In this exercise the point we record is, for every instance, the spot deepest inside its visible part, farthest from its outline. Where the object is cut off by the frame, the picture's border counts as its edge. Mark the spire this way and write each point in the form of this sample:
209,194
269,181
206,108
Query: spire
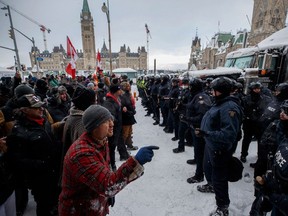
104,48
85,7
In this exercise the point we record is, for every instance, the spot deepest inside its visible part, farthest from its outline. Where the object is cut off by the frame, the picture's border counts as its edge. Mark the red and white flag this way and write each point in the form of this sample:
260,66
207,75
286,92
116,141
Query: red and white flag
98,66
71,52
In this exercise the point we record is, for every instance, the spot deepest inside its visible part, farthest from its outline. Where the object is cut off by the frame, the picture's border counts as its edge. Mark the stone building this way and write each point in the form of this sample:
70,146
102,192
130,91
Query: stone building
215,52
57,60
124,58
268,17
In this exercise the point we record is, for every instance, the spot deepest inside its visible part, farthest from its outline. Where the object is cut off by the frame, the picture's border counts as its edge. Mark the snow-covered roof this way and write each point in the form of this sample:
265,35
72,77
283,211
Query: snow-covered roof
242,52
277,40
124,70
219,71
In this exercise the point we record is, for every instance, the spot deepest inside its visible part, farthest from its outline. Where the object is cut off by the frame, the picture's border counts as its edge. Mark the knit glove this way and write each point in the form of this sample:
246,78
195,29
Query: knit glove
145,154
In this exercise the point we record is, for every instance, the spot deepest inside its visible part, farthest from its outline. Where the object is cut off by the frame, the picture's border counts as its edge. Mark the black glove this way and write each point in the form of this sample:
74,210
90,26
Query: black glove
199,133
268,185
111,201
145,154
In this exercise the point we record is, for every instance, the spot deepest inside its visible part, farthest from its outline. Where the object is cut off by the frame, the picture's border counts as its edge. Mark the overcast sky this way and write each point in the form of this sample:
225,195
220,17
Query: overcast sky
172,26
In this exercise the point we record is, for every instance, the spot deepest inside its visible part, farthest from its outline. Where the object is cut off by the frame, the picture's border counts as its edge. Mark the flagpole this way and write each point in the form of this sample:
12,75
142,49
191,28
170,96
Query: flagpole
106,10
147,34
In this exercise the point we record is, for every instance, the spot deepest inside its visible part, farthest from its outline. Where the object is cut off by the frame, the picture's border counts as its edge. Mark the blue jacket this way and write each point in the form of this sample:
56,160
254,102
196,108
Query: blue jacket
221,124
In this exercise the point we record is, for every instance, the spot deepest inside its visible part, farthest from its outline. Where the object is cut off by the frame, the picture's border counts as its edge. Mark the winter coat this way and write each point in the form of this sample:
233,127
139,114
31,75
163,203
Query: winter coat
128,116
114,106
7,183
58,109
197,108
101,93
88,182
254,106
270,114
221,124
173,96
33,153
183,100
73,128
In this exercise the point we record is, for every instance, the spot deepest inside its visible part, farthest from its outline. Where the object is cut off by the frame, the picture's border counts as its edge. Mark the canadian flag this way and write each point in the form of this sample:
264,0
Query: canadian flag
71,52
98,62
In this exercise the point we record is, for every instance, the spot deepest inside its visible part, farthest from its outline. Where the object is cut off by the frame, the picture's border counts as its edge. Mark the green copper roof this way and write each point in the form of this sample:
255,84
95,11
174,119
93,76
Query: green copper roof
224,37
85,7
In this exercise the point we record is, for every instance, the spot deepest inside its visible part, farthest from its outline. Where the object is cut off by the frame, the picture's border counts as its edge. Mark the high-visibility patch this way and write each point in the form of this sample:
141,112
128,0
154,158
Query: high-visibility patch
232,113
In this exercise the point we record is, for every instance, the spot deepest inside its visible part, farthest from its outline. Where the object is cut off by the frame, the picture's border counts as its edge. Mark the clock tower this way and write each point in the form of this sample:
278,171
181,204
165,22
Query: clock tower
88,38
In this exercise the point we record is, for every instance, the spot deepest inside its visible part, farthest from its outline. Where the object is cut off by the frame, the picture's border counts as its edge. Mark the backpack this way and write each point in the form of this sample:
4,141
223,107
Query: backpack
235,169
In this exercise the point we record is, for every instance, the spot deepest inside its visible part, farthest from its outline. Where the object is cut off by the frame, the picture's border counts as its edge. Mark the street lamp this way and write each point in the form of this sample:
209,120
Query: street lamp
105,9
14,38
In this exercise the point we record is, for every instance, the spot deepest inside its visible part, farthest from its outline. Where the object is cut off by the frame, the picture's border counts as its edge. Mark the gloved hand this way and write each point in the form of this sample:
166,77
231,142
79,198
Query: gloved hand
199,133
268,184
111,201
145,154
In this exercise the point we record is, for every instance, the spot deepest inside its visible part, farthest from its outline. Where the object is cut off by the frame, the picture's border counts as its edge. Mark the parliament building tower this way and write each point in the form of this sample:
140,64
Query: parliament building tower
88,38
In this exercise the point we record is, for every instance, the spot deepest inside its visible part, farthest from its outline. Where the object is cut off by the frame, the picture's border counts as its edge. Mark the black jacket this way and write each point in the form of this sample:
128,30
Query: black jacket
33,152
127,117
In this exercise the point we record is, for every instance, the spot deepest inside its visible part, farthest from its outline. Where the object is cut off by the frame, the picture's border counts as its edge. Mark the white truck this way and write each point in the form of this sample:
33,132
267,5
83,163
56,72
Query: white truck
266,62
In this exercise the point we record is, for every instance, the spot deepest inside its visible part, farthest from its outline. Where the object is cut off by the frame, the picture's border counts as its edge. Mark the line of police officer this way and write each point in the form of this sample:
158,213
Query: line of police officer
183,103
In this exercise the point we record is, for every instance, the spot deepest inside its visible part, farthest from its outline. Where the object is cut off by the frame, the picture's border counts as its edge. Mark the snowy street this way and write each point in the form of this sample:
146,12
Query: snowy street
163,189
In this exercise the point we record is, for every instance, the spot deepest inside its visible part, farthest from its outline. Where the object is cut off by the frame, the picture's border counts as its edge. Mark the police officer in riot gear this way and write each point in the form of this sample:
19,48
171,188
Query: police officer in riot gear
254,104
196,108
184,98
220,127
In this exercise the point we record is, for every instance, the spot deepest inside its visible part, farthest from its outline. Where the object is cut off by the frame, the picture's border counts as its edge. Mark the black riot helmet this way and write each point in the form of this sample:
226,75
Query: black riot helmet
255,85
223,85
282,91
195,85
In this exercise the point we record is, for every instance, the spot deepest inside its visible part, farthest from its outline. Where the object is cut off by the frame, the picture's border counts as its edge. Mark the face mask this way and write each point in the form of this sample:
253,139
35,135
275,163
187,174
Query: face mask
184,87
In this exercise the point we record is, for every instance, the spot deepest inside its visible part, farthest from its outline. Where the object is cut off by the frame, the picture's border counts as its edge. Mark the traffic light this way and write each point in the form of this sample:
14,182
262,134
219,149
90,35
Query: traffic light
11,35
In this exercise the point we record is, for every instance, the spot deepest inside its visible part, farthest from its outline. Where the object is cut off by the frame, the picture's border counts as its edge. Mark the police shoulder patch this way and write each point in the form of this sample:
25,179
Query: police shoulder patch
232,113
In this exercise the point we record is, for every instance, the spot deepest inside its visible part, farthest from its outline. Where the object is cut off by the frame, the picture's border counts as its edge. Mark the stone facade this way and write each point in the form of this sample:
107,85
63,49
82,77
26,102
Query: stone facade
88,38
57,60
268,17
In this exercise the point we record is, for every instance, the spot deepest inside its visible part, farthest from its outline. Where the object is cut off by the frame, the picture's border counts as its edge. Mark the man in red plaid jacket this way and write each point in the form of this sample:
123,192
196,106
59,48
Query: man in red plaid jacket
88,184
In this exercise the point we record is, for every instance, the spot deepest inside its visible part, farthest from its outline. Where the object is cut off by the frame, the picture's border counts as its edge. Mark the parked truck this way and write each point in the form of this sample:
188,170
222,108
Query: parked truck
266,62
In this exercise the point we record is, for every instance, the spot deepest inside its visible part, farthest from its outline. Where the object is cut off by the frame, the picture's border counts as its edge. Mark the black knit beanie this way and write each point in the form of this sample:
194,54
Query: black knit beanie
83,98
23,89
94,116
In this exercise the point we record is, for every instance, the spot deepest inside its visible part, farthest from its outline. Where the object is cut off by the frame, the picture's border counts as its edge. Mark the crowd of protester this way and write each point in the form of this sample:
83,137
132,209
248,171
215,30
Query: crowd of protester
41,118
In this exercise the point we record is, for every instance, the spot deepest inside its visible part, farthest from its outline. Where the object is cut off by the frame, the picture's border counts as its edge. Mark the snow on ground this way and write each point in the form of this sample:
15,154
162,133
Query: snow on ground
163,190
